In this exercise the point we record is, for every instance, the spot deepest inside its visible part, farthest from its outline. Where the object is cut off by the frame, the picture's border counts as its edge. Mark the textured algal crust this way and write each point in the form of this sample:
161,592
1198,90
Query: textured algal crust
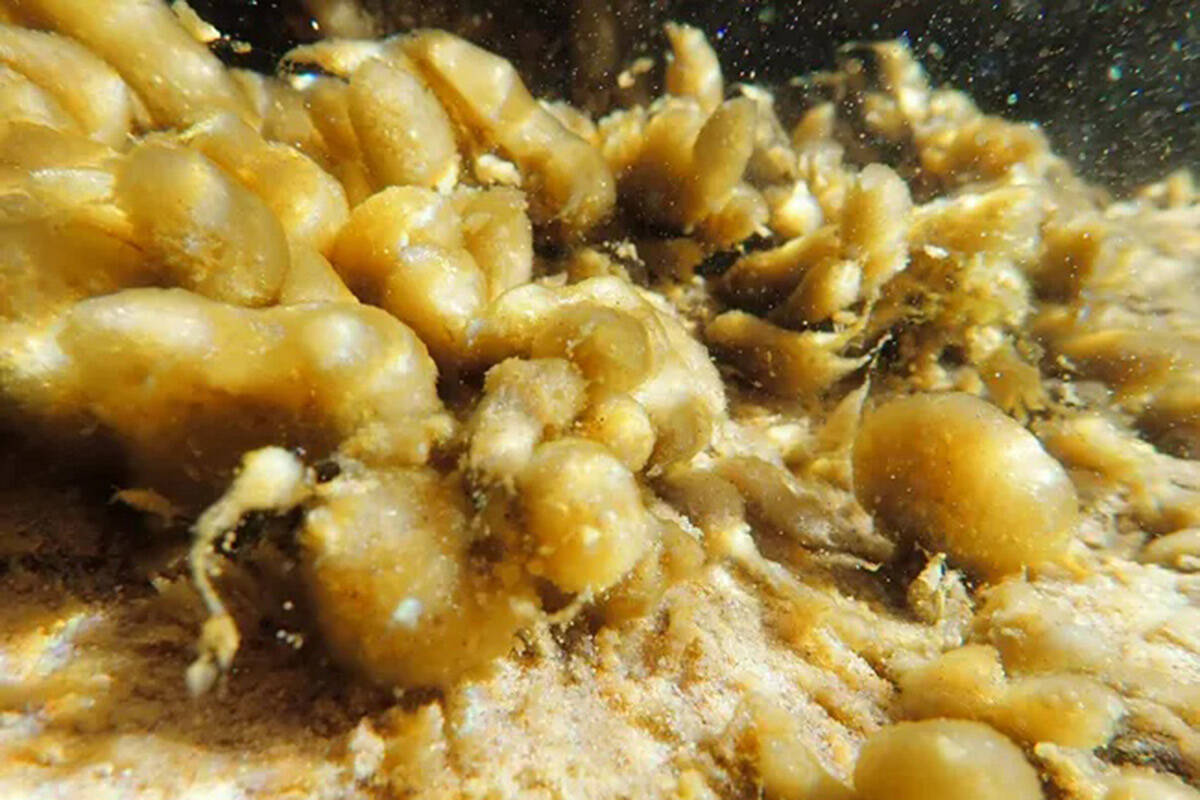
483,448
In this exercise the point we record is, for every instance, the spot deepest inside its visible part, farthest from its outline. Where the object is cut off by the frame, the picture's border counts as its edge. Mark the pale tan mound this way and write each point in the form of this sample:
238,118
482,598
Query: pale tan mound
378,430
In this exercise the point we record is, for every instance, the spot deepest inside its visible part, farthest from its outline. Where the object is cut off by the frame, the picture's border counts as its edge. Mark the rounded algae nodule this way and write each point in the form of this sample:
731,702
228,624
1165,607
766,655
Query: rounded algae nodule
955,474
943,759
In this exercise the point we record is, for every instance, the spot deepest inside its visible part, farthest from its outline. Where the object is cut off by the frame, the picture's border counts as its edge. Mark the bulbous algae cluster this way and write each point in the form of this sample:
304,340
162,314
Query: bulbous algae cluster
708,448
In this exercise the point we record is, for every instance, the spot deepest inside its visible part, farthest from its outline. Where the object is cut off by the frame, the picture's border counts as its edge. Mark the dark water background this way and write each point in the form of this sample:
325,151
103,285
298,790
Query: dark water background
1115,84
